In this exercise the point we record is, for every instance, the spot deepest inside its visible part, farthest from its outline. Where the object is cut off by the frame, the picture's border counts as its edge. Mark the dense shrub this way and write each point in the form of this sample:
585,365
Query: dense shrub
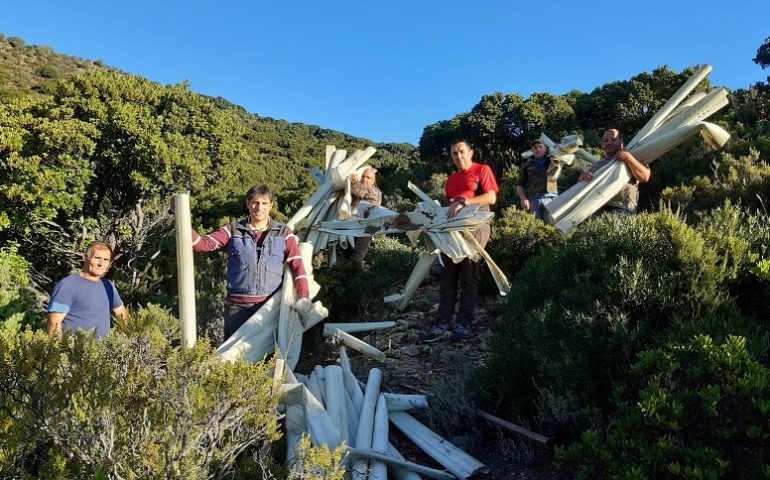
744,180
151,319
452,411
352,291
578,314
741,239
16,42
47,71
317,463
127,407
16,301
703,412
507,196
517,236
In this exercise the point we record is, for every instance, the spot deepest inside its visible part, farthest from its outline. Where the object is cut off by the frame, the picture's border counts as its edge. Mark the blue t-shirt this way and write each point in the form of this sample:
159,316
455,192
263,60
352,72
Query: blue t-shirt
87,304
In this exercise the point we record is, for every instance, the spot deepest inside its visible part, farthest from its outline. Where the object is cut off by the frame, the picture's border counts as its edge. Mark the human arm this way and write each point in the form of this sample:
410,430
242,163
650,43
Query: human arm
120,312
212,241
486,198
522,197
640,171
293,260
55,320
368,194
586,176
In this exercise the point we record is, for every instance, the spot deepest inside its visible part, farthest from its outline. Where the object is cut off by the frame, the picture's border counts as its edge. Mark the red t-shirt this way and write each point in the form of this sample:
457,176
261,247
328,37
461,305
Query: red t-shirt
478,179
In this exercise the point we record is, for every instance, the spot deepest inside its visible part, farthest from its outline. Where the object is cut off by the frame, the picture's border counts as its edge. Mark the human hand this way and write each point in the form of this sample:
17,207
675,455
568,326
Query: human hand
303,306
525,204
623,156
586,177
453,209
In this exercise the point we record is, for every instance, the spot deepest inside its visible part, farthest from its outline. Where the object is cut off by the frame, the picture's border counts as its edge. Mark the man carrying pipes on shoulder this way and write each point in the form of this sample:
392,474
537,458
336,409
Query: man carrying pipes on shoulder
257,249
627,200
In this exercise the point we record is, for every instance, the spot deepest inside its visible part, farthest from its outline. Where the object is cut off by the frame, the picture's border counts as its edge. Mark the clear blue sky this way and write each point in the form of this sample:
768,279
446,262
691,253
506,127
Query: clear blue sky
385,70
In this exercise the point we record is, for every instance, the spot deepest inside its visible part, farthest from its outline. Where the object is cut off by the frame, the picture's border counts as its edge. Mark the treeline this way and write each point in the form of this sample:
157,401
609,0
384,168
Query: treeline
98,155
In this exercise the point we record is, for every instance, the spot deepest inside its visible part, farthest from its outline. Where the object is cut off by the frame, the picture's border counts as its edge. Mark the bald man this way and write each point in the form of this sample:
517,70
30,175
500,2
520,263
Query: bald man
363,190
628,199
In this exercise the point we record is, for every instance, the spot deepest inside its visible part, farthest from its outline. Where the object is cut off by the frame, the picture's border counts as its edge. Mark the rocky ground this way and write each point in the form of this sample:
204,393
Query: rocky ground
439,370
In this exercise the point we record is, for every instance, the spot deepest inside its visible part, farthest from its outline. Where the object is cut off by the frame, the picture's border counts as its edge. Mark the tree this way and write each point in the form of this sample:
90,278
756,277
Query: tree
628,104
763,54
100,159
500,127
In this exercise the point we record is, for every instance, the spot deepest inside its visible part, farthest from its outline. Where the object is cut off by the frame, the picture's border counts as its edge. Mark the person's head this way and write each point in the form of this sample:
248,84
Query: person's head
613,142
97,259
369,177
539,149
259,202
462,154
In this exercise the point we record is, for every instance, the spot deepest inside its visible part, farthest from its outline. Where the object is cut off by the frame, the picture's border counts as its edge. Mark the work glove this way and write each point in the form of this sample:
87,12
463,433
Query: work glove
303,306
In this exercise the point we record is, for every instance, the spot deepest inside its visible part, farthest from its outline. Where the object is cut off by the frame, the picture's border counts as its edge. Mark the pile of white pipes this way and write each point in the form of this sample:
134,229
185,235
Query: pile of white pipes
332,200
450,236
329,404
331,407
678,120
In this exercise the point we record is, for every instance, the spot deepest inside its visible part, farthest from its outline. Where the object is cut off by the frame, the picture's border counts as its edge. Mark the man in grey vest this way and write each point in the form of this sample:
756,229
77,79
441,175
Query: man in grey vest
257,249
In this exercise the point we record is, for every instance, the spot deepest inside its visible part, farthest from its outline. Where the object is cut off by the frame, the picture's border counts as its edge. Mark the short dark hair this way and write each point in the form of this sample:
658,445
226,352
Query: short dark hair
98,245
261,190
535,142
460,140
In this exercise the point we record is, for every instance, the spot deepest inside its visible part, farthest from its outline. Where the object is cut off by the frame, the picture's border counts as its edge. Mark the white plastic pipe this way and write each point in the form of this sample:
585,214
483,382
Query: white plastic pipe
185,268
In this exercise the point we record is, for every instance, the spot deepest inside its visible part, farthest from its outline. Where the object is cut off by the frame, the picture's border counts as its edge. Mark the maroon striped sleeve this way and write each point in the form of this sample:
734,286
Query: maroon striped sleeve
213,241
294,260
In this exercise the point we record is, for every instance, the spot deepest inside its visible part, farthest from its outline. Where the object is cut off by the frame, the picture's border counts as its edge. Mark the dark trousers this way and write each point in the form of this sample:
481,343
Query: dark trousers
466,274
236,315
359,251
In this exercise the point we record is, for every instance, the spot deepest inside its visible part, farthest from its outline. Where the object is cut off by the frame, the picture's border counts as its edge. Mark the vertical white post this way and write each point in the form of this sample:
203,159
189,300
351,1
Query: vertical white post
184,262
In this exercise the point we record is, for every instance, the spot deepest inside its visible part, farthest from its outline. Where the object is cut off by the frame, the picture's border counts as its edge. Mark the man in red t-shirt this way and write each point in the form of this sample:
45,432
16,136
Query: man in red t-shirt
472,184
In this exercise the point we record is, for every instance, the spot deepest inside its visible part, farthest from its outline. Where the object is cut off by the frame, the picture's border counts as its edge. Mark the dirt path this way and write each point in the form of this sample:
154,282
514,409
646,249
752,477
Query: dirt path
439,370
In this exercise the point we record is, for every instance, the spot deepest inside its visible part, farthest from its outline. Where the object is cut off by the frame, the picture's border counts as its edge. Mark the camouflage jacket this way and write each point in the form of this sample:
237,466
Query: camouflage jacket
538,179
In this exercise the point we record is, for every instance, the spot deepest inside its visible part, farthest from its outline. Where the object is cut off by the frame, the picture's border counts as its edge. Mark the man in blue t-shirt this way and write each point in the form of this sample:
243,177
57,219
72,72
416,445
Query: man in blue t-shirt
84,300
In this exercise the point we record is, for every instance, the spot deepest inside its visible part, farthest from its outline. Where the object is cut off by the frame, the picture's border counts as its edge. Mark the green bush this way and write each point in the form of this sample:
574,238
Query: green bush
741,239
507,196
152,319
744,180
703,413
16,42
577,314
352,291
517,236
127,406
452,411
16,301
317,463
47,71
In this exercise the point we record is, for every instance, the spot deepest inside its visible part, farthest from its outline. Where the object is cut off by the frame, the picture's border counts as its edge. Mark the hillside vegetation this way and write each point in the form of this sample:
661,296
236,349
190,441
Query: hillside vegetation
639,344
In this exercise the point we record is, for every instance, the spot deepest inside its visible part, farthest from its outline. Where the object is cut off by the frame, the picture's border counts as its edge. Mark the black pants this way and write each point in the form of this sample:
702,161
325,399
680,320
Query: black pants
359,251
466,274
236,315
